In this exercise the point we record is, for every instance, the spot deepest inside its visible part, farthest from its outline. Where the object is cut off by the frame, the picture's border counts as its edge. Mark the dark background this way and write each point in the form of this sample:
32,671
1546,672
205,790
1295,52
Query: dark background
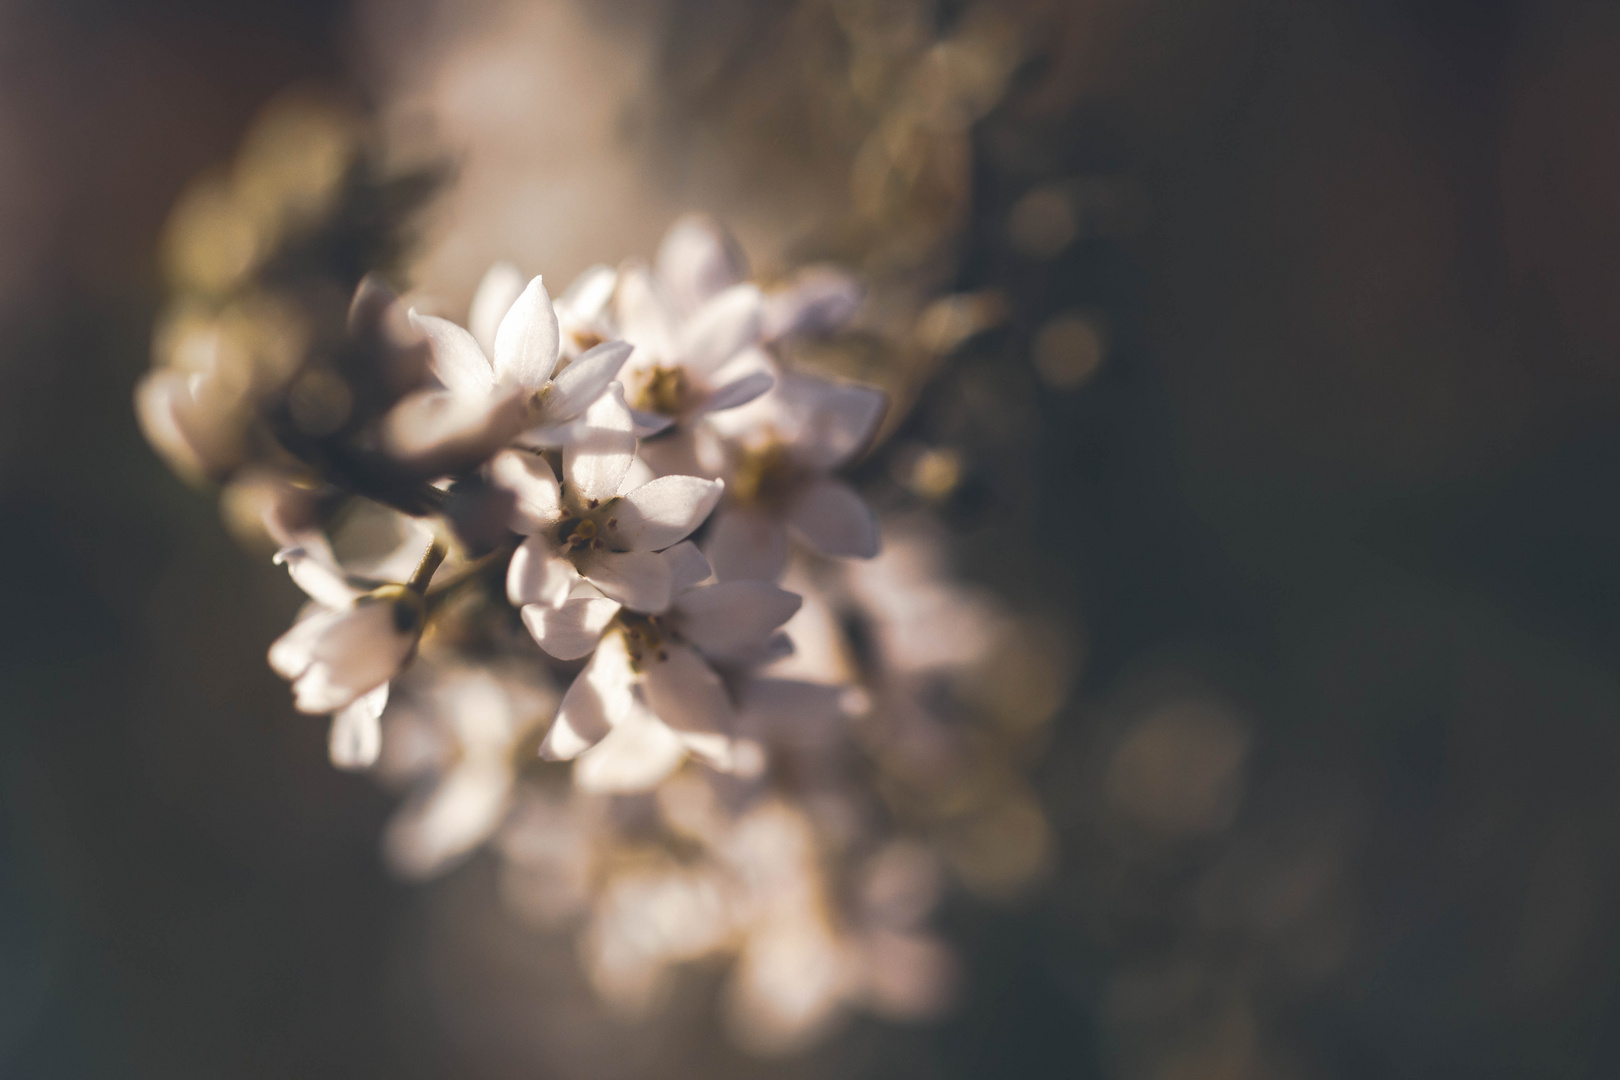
1349,466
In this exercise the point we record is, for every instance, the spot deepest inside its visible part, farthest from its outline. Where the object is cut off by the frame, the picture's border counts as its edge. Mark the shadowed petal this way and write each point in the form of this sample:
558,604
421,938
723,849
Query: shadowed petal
530,479
687,566
599,454
599,698
526,342
640,580
319,578
820,300
457,360
686,693
746,544
430,833
732,618
840,420
436,432
637,755
738,392
538,575
835,520
582,382
572,630
645,317
663,512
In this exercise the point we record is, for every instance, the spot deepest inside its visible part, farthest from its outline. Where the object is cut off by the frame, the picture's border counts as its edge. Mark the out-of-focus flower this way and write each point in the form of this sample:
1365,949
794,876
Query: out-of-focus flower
343,651
782,450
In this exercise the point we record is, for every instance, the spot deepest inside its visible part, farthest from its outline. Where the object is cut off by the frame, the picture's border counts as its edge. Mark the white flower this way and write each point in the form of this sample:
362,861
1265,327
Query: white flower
783,449
693,321
341,654
476,718
650,693
515,390
583,320
583,527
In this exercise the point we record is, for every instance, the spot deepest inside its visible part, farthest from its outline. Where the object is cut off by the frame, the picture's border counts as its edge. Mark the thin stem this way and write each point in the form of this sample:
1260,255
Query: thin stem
469,571
424,570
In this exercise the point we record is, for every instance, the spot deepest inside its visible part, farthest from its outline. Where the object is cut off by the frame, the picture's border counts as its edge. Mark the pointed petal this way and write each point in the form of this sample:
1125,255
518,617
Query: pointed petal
319,578
820,300
502,285
355,738
649,424
436,432
746,544
526,342
840,422
572,630
723,327
663,512
687,566
582,382
686,693
738,392
730,620
538,575
293,652
637,755
530,479
357,651
587,296
645,318
457,360
696,260
599,698
640,580
834,520
599,454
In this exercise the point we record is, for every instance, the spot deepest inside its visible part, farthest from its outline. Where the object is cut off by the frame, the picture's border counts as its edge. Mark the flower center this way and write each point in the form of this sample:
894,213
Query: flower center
646,636
763,474
664,390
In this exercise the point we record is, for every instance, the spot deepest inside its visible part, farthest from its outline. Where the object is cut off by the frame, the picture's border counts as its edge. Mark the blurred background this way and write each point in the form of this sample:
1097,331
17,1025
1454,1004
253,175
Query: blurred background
1285,343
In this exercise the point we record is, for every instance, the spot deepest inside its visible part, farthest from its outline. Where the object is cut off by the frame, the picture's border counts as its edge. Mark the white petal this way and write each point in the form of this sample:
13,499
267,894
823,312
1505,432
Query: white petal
599,698
640,580
357,651
834,520
538,575
598,456
457,360
737,392
746,544
731,619
637,755
319,578
582,382
526,342
586,298
840,421
355,738
686,693
820,300
502,285
696,260
722,328
572,630
649,424
438,432
663,512
639,473
428,834
645,318
687,566
530,479
293,652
